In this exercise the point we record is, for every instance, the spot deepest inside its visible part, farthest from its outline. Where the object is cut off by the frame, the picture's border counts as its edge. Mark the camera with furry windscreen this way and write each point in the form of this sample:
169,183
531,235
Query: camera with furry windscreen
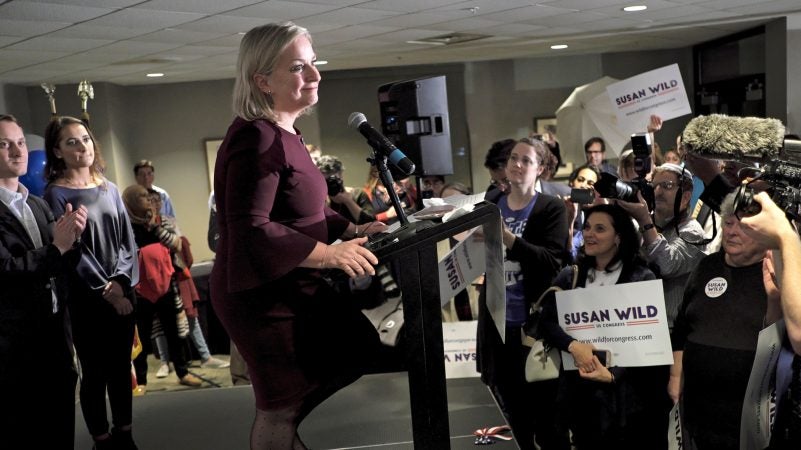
610,186
776,160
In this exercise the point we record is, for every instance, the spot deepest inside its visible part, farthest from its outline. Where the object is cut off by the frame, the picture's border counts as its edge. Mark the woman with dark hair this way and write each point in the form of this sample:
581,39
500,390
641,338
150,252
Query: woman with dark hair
495,161
535,238
583,177
604,407
101,299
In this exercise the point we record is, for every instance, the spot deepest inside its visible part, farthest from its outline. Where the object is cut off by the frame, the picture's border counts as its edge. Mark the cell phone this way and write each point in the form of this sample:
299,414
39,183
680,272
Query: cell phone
605,356
582,196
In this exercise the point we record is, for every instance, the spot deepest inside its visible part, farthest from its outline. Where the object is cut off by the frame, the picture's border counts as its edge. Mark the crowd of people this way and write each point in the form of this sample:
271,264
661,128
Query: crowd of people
88,265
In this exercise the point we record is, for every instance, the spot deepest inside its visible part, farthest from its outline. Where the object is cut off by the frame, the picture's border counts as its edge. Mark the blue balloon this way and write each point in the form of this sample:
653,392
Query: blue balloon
34,180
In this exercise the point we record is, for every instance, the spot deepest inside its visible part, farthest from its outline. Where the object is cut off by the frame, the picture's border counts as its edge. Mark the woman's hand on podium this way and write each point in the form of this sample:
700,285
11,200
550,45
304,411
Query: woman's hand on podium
351,257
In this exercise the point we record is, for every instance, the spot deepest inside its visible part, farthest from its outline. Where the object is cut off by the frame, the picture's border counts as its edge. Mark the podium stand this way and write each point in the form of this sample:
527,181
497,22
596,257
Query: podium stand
416,257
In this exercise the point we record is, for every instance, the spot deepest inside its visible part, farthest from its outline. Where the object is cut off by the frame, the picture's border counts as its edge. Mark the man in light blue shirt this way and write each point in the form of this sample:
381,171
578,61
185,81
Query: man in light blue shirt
36,363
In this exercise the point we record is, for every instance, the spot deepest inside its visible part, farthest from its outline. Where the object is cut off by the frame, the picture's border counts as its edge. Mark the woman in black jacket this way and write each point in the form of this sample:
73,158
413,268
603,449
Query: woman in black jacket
604,407
535,237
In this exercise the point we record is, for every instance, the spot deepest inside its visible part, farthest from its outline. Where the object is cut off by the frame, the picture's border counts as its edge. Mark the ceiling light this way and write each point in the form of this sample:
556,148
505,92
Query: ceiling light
635,8
559,47
155,75
320,62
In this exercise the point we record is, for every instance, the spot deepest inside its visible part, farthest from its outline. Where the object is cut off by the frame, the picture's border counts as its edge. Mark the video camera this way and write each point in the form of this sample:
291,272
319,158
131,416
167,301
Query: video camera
752,140
783,180
609,186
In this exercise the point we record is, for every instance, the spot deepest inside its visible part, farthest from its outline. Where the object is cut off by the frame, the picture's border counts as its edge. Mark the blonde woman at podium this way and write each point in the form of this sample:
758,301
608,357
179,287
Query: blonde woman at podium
535,237
301,341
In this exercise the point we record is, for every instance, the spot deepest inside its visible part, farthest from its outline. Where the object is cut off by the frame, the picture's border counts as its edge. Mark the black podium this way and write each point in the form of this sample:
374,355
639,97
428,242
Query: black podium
415,255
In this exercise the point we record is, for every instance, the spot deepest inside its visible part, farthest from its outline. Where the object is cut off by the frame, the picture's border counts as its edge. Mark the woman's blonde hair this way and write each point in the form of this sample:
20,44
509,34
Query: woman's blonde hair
258,53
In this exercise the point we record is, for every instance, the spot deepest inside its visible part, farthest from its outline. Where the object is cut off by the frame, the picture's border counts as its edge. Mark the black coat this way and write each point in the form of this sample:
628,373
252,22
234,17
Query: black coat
541,250
32,337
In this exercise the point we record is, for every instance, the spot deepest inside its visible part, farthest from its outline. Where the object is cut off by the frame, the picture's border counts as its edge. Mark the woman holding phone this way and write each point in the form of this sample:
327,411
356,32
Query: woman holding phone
606,407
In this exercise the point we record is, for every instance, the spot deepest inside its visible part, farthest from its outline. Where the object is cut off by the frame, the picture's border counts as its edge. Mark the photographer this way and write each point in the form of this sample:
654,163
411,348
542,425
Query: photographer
341,198
671,252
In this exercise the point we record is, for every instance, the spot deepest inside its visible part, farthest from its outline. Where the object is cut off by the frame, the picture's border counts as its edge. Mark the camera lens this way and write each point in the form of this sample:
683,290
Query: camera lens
334,184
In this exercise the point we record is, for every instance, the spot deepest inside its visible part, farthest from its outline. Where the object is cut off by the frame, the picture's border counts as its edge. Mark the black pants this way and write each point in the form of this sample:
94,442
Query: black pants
529,407
103,340
37,406
165,310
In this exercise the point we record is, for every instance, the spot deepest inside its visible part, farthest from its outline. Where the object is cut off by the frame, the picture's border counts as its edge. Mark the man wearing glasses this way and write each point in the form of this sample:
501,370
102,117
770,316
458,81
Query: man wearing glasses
595,151
673,253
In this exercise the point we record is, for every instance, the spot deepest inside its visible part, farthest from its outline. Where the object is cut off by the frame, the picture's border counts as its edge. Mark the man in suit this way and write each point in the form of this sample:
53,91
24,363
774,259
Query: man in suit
37,374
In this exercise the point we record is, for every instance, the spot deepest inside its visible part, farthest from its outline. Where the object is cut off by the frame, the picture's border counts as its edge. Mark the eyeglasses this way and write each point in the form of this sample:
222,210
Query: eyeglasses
666,185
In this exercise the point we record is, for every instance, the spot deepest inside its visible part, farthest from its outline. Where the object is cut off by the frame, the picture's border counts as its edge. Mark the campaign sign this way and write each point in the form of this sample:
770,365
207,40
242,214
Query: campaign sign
627,319
463,264
660,92
459,344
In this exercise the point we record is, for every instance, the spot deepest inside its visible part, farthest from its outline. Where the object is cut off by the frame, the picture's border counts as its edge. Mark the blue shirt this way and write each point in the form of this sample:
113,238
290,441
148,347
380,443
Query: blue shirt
515,220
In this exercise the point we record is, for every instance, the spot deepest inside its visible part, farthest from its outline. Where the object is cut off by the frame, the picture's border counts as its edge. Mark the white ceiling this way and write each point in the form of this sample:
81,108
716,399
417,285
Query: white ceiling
119,41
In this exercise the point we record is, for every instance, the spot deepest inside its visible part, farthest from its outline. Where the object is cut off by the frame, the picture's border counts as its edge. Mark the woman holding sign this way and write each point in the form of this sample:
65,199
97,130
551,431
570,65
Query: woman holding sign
607,407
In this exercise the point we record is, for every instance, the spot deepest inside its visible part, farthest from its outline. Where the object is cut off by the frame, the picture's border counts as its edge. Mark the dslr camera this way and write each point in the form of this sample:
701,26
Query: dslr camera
609,186
335,185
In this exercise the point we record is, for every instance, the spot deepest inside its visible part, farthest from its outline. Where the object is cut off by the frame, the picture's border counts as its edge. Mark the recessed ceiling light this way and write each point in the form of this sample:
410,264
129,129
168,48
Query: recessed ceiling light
635,8
558,46
155,75
320,62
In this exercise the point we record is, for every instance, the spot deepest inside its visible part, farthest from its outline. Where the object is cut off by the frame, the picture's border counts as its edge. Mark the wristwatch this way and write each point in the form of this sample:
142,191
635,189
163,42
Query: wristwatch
646,227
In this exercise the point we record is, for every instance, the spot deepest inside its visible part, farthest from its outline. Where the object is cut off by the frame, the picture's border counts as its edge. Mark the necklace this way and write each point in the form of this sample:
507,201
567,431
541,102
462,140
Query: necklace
81,183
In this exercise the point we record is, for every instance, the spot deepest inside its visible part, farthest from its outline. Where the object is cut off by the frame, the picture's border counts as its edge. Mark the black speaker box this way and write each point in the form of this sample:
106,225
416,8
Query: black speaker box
414,116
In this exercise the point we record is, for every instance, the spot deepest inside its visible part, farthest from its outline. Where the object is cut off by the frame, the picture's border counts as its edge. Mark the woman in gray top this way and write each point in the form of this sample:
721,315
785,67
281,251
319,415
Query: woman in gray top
101,297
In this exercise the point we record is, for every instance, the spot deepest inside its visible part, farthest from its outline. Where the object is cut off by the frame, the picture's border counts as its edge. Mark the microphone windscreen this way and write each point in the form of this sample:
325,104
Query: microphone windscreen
734,138
355,119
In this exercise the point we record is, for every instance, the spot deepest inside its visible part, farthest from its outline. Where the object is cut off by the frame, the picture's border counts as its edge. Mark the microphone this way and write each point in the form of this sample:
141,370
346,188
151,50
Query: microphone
379,142
747,139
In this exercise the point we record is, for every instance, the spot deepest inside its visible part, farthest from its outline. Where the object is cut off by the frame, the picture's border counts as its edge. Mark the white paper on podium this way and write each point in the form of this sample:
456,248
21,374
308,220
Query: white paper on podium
660,92
463,264
627,319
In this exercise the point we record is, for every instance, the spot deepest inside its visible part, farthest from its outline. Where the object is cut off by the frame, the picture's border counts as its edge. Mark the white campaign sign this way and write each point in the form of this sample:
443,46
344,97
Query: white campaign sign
660,92
459,342
463,264
627,319
759,403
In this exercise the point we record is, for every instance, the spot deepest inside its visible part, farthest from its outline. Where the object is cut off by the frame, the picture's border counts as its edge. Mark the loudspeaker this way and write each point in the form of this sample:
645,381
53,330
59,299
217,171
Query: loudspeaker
414,116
